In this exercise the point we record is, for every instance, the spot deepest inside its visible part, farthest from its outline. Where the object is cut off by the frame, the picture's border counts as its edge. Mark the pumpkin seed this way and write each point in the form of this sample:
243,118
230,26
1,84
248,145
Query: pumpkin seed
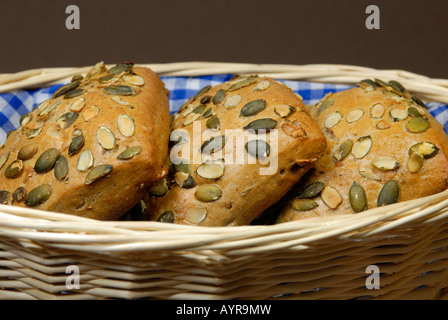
331,197
213,144
208,193
167,217
397,87
191,118
74,93
211,169
199,109
361,147
258,148
76,145
14,169
415,112
42,105
97,173
77,77
205,99
312,190
212,123
415,162
61,168
160,189
303,204
324,105
389,193
293,131
186,109
66,89
121,67
25,119
38,195
416,100
46,160
91,113
5,197
126,125
85,160
105,138
119,101
182,165
78,105
133,79
427,149
202,91
33,133
266,124
195,215
252,108
343,150
262,85
385,163
49,108
332,119
108,78
367,84
27,152
180,178
377,111
129,153
241,83
398,114
96,69
357,198
207,113
382,125
383,84
120,90
67,119
417,125
19,194
284,110
219,96
189,182
355,115
232,101
367,173
4,158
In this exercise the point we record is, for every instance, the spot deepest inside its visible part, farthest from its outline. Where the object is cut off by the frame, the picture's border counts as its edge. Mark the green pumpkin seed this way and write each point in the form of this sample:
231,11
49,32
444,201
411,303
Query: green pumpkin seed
377,111
85,160
74,93
27,152
67,119
416,100
207,113
108,78
427,149
284,110
357,198
415,112
5,197
49,108
33,133
38,195
121,67
195,215
205,99
324,105
415,162
212,123
397,86
332,119
355,115
77,77
417,125
252,108
208,193
383,84
191,118
189,182
182,165
66,89
61,168
14,169
180,178
97,173
389,193
312,190
96,69
19,194
202,91
303,204
4,158
134,79
120,90
385,163
361,147
126,125
367,84
219,96
46,160
76,145
258,148
105,138
213,144
241,83
199,109
343,150
129,153
211,169
161,188
265,124
167,217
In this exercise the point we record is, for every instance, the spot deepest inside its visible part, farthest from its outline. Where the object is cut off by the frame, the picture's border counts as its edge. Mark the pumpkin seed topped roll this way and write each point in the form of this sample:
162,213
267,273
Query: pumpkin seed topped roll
94,149
383,147
237,148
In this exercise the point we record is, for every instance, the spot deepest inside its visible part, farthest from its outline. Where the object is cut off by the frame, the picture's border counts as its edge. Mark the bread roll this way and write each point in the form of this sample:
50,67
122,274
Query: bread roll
383,147
94,149
238,147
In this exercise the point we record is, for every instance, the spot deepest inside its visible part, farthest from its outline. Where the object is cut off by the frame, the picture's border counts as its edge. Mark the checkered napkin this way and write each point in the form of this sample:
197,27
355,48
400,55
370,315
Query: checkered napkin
15,104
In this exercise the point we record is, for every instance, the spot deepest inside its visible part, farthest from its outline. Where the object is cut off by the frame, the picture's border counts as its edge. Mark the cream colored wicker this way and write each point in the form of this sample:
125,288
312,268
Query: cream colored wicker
318,258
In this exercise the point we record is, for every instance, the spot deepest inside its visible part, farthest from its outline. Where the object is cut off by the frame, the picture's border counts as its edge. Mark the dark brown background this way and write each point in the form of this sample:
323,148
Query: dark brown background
413,34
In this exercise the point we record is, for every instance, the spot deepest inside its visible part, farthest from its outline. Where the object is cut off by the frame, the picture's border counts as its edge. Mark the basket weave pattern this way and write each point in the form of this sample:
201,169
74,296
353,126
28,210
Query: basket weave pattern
317,258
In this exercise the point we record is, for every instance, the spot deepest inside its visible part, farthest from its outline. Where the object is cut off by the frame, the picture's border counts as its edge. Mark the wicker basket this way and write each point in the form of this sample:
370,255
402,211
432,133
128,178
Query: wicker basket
317,258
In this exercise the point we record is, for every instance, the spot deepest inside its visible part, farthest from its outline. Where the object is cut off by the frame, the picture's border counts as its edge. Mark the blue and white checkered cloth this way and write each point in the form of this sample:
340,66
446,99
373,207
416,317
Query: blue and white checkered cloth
13,105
